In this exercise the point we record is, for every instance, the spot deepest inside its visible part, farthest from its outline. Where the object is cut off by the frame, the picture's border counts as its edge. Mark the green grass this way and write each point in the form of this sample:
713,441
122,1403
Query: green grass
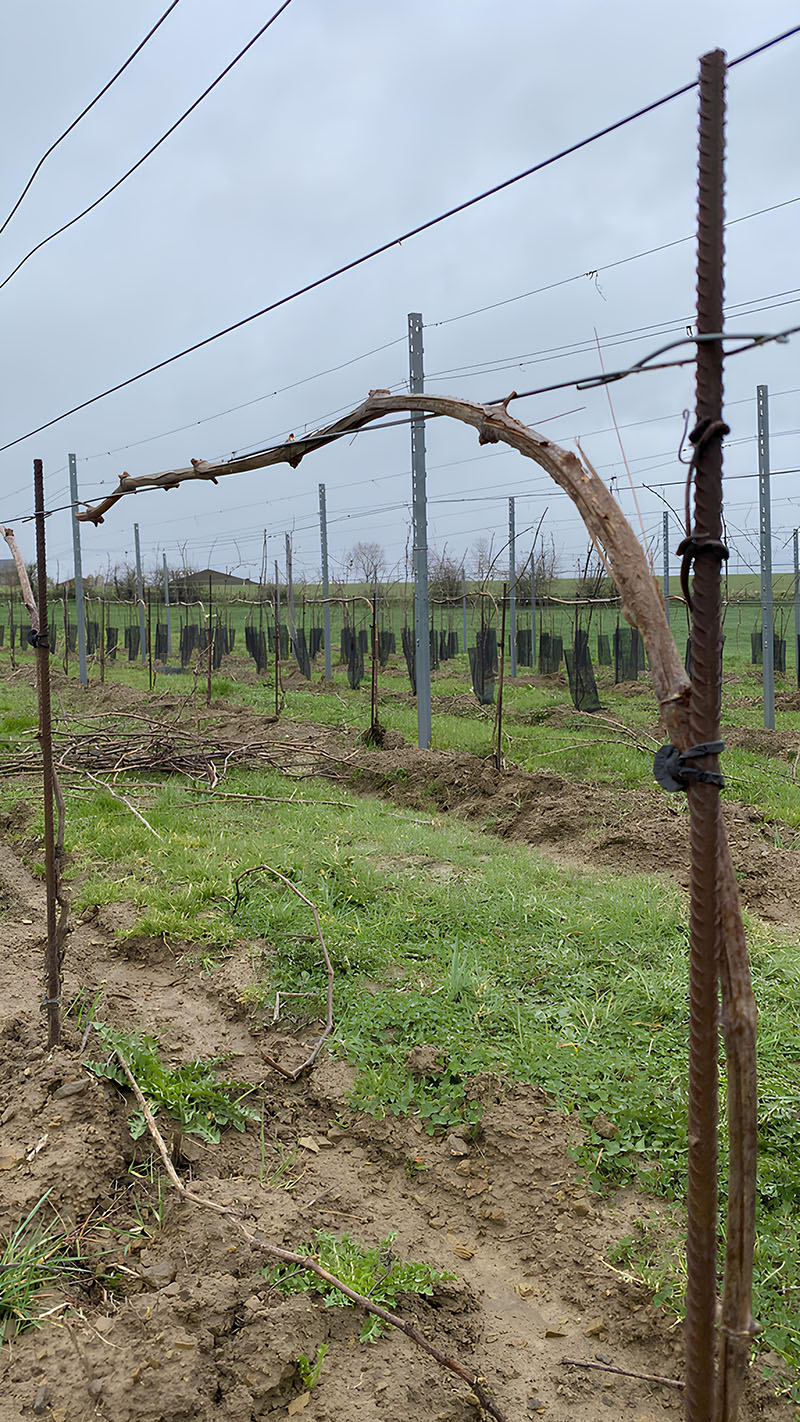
34,1259
375,1273
506,962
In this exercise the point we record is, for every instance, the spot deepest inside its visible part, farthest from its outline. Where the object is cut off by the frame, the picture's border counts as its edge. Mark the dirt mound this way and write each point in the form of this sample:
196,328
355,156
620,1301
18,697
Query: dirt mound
634,831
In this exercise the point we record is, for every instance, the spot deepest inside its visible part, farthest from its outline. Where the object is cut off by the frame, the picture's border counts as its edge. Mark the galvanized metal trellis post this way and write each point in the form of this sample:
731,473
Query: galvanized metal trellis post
796,604
150,681
80,616
52,999
210,643
765,528
166,606
140,596
422,642
326,607
666,561
290,588
498,715
512,584
704,546
277,639
374,731
533,611
464,611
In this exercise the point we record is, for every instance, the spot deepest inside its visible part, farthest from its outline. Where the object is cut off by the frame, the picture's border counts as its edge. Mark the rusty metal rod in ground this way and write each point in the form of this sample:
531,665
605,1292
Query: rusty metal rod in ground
498,723
374,686
705,548
52,963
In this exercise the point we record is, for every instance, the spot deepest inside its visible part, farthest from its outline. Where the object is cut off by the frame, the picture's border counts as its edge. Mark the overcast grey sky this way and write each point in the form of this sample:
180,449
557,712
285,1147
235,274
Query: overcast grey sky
346,124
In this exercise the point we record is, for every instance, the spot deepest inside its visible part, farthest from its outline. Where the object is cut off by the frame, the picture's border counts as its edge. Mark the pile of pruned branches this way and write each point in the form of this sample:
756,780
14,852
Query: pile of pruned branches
171,750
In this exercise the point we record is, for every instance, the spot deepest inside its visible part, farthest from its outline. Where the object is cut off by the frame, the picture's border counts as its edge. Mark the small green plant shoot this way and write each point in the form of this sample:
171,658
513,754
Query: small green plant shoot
190,1094
309,1372
375,1273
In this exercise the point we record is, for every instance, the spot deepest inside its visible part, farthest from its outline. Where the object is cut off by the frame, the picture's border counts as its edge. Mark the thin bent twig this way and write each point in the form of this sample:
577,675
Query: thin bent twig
115,795
301,1261
624,1373
318,1045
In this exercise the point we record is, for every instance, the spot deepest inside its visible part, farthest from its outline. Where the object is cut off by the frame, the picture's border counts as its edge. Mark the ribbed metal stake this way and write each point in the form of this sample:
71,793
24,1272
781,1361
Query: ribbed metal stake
326,589
704,717
765,531
512,583
52,964
422,641
80,615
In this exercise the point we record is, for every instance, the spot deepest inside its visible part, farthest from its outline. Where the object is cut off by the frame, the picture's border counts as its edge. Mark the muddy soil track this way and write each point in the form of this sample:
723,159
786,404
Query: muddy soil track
193,1331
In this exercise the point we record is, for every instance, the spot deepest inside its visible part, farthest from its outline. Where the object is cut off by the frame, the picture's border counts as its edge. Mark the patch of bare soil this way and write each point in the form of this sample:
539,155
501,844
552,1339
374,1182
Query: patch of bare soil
193,1331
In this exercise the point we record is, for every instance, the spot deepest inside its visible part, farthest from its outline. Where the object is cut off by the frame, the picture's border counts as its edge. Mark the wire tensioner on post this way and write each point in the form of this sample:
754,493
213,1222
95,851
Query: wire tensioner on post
674,774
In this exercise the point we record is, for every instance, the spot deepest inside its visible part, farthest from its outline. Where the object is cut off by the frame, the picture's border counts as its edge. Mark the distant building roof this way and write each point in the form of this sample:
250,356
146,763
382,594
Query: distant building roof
211,575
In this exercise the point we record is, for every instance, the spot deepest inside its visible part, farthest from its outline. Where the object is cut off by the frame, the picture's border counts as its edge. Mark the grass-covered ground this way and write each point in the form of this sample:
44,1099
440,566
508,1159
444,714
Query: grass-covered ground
440,935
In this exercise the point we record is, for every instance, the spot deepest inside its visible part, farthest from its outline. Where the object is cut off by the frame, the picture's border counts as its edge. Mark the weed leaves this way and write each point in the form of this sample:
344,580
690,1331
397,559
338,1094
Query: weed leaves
190,1094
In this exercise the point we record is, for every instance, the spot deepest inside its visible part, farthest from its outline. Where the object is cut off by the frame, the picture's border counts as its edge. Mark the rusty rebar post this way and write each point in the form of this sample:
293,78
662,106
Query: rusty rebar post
52,998
498,720
704,546
210,647
373,728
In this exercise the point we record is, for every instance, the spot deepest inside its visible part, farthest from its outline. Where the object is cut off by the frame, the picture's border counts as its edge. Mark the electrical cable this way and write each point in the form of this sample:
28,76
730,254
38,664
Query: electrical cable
614,338
84,112
118,184
606,267
394,241
644,366
232,409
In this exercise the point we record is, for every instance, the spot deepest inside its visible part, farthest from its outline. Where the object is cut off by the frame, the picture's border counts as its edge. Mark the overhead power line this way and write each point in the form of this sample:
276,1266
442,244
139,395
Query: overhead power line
151,150
394,241
84,112
613,338
402,340
606,267
271,394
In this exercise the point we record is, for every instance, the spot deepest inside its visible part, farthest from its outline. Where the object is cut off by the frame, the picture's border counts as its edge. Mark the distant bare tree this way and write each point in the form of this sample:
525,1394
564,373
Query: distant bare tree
480,558
444,576
593,580
369,561
546,570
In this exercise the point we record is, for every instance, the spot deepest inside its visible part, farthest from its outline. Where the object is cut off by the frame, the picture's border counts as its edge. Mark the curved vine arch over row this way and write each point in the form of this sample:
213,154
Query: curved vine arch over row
643,605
